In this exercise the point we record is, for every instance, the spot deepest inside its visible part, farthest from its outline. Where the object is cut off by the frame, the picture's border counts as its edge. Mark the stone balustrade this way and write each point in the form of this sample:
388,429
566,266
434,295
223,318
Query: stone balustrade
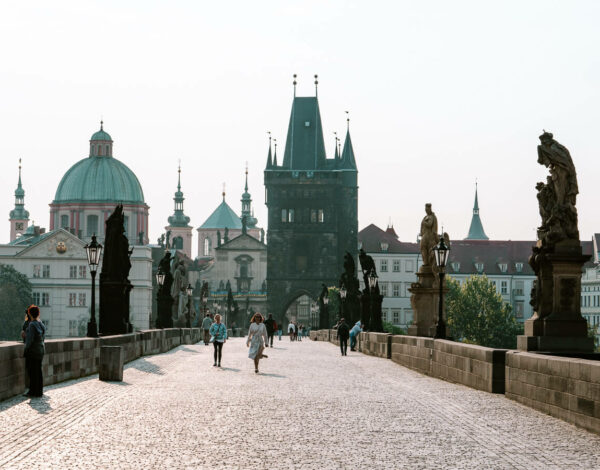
565,387
71,358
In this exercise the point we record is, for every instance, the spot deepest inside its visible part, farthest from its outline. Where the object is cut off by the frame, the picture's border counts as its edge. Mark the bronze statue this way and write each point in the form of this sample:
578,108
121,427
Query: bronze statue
557,197
367,265
116,264
429,236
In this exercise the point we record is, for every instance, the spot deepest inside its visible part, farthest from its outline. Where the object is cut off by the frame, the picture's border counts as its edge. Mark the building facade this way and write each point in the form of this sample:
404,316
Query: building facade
56,265
312,203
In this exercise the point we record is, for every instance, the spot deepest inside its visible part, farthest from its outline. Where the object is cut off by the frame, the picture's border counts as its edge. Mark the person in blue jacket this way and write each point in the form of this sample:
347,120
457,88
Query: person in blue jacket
356,329
218,333
34,352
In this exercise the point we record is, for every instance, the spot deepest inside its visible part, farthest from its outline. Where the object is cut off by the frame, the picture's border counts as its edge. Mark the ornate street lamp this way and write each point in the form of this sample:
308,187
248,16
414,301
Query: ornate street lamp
188,315
343,293
93,251
441,252
372,280
160,278
160,281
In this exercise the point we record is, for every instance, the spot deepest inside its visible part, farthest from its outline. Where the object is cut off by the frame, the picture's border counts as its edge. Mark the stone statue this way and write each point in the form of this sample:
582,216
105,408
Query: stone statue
262,235
218,238
557,197
367,265
226,235
161,241
141,238
429,236
168,240
116,264
178,288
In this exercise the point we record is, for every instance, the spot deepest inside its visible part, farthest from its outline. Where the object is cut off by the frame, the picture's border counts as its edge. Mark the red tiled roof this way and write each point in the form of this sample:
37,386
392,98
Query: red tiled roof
372,237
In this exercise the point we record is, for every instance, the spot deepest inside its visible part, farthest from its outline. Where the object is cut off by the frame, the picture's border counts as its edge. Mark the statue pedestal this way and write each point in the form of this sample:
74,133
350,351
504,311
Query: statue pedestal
114,308
557,324
424,299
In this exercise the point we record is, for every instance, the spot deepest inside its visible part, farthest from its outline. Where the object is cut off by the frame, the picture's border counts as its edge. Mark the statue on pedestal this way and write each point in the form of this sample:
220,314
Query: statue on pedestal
429,236
557,259
178,289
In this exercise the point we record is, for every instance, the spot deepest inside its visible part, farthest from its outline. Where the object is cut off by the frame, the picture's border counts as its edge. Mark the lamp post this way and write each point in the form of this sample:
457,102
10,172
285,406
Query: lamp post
441,256
343,293
188,315
375,323
93,251
160,280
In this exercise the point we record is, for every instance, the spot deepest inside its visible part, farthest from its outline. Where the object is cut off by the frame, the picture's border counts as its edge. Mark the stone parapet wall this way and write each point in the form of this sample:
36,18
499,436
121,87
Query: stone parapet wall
375,344
414,352
564,387
71,358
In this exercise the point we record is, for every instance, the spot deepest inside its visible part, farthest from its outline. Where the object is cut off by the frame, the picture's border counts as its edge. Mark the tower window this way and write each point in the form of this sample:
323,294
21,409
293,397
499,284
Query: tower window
207,246
284,215
92,225
99,150
321,216
64,222
290,215
106,152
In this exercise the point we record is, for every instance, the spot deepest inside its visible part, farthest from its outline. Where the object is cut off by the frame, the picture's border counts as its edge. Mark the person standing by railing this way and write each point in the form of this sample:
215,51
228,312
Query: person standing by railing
34,352
218,333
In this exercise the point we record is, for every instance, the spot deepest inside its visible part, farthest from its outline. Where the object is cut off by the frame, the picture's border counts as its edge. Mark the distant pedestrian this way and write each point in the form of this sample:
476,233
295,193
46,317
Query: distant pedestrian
257,338
295,331
34,352
270,326
206,329
343,332
218,333
300,331
354,332
291,331
279,331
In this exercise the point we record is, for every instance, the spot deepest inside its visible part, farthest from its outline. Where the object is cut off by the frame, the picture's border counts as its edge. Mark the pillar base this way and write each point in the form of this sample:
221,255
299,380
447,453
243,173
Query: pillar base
555,343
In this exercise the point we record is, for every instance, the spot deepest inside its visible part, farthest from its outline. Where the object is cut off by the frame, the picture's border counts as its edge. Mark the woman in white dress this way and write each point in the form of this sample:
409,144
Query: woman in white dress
257,338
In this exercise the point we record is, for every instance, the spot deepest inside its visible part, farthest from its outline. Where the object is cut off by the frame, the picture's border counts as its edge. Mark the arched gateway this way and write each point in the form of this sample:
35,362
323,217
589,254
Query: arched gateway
313,203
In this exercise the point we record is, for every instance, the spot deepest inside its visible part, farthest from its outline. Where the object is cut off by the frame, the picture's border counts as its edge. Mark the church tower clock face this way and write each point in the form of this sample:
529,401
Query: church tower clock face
19,226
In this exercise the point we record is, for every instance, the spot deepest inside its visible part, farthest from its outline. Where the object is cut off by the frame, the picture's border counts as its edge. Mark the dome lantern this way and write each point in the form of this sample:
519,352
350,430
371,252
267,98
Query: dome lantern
101,143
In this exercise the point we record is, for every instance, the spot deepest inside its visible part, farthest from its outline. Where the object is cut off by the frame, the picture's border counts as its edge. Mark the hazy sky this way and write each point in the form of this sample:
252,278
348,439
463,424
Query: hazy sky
440,94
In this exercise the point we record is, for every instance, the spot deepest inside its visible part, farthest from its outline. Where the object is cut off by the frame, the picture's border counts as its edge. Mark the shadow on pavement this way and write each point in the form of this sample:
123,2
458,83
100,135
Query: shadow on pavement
143,365
41,404
231,369
273,375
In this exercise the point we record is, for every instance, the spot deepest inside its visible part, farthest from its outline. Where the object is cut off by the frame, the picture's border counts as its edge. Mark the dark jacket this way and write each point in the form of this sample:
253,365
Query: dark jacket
34,340
269,324
25,325
343,331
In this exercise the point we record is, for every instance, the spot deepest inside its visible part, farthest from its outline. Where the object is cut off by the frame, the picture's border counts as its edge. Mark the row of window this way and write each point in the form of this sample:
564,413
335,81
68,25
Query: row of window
396,266
479,266
75,299
41,298
398,317
43,271
303,216
399,289
91,226
590,300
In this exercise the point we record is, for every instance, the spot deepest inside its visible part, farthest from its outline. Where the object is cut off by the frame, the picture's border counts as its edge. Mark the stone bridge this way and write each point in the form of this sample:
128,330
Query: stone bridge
309,408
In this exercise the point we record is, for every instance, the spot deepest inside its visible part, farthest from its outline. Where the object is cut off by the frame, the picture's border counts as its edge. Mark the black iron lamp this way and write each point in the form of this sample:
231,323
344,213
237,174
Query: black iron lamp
93,251
441,252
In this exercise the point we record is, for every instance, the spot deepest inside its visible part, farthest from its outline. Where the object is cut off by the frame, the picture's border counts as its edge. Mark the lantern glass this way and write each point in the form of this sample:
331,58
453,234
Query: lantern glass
93,251
372,279
343,292
190,290
441,253
326,299
160,278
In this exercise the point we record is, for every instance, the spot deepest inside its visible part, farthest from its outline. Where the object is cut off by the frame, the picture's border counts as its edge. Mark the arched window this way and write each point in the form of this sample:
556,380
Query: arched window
207,244
178,243
92,225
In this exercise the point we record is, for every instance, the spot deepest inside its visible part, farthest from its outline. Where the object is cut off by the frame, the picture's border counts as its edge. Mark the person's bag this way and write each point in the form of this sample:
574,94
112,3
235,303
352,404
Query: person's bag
212,339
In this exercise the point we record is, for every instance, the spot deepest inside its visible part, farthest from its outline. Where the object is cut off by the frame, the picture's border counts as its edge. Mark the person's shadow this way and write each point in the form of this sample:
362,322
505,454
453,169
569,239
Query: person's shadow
230,369
41,404
272,375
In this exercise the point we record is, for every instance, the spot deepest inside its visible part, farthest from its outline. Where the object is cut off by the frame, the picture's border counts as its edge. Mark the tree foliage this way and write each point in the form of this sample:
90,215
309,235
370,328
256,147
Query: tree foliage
15,297
476,314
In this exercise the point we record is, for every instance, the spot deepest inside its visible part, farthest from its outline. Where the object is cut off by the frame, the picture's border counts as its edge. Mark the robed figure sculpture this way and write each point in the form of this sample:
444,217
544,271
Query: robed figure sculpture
114,283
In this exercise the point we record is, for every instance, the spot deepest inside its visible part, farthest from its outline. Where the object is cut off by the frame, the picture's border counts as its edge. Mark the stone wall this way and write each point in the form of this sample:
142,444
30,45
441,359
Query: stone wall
375,344
564,387
71,358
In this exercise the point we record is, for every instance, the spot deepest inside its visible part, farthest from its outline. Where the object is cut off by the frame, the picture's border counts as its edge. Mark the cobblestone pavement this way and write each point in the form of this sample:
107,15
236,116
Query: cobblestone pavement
309,408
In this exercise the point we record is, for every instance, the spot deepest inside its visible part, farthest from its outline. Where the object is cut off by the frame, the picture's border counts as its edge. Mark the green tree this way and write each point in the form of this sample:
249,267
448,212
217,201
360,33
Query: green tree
477,314
391,328
15,297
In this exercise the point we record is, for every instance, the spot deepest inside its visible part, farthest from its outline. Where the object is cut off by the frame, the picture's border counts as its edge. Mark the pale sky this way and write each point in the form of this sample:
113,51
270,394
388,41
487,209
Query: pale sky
440,94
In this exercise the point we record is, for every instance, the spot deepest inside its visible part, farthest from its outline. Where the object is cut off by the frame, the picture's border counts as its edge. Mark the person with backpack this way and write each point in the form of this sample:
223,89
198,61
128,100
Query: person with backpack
206,323
34,352
218,333
343,333
354,332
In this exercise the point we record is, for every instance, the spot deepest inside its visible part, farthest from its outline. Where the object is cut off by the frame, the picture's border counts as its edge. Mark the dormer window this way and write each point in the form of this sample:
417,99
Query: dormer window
519,267
384,246
479,267
455,266
503,267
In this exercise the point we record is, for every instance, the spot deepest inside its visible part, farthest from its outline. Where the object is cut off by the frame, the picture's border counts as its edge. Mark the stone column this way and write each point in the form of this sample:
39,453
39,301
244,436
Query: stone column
424,299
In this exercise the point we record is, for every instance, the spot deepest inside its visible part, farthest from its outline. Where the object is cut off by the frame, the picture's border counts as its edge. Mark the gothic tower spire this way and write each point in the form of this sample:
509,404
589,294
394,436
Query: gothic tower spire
476,231
19,217
247,217
181,232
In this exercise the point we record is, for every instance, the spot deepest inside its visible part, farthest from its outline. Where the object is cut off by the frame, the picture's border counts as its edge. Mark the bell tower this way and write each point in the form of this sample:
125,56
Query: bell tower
19,217
181,232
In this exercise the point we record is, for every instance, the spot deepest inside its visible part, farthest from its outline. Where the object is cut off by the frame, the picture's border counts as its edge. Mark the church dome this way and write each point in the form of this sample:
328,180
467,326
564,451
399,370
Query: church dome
100,177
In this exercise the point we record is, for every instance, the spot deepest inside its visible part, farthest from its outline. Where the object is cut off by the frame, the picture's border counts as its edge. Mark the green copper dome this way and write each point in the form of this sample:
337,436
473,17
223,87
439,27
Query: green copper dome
99,179
101,134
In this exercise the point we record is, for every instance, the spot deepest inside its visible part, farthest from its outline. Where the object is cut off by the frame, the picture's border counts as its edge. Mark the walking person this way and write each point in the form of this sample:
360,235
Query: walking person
218,332
257,338
206,323
34,352
354,332
343,332
270,325
291,331
280,331
300,331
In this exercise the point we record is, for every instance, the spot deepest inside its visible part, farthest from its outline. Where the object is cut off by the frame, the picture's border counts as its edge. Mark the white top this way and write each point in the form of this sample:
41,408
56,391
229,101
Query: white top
291,328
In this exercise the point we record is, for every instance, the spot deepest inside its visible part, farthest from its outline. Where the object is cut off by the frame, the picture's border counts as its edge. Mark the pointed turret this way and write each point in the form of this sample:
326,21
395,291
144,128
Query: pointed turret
247,216
269,157
181,232
348,161
19,217
476,231
275,155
